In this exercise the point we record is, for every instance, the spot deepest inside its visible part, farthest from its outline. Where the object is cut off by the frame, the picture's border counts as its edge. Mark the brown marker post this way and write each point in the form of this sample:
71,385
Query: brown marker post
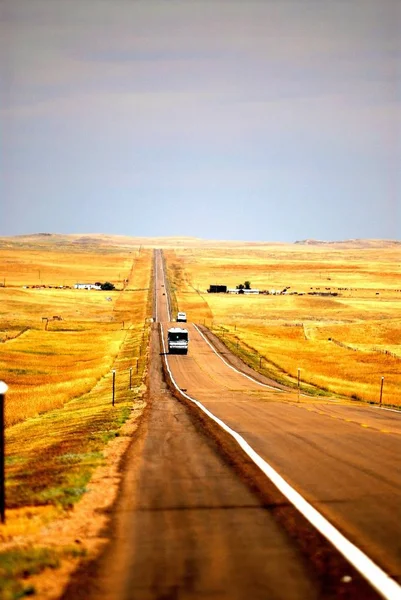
114,385
381,391
299,372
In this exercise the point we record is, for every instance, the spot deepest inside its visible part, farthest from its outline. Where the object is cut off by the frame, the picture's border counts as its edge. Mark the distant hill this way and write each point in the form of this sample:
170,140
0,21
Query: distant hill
353,243
92,240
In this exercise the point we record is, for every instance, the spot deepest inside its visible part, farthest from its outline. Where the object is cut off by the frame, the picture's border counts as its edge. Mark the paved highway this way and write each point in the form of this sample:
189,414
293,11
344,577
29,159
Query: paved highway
196,518
345,460
343,457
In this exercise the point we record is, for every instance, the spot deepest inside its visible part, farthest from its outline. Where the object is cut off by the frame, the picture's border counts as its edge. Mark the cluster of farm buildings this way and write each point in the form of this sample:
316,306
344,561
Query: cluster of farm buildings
77,286
223,289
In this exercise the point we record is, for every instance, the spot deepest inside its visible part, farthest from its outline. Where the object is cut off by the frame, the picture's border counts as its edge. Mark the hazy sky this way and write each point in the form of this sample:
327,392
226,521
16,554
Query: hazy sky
271,120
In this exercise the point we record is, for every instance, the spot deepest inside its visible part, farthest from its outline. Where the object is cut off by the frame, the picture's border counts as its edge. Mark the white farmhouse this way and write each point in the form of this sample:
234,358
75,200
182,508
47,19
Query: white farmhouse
87,286
243,291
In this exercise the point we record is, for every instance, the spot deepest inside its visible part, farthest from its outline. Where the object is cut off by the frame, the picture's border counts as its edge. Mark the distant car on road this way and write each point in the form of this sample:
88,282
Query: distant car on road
181,316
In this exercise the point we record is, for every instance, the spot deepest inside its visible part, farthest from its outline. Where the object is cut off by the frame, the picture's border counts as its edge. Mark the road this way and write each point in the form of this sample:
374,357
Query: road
195,518
345,460
343,457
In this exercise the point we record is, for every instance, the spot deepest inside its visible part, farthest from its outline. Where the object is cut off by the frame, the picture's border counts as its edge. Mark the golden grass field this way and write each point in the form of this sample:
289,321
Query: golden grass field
343,344
59,412
58,408
48,364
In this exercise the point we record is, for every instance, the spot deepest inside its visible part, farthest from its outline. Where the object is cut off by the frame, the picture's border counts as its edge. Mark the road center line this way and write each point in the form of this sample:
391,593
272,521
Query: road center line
379,580
156,286
159,263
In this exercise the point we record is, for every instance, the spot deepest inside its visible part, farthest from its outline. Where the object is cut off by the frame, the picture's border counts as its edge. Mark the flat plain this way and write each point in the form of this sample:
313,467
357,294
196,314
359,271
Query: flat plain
338,321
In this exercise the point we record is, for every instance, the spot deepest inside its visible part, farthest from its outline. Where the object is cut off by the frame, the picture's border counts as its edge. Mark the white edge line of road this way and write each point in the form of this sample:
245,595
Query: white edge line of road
390,409
271,387
379,580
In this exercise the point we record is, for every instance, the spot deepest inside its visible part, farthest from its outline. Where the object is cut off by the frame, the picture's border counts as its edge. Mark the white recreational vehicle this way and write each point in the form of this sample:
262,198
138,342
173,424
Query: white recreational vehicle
177,340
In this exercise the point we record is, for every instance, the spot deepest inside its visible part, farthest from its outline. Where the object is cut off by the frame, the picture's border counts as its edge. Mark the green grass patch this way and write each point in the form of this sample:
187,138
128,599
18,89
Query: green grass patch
58,473
72,487
26,372
18,565
83,457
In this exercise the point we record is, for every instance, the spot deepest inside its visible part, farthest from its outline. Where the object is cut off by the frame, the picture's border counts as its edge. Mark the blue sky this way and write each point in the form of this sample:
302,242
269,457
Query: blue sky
271,120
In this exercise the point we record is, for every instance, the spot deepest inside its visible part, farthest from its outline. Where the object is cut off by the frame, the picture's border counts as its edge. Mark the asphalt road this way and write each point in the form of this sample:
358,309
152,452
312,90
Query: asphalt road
195,519
345,460
343,457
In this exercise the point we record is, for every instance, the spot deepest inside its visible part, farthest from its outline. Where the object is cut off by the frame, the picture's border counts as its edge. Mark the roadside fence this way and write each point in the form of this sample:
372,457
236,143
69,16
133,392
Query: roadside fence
259,362
375,349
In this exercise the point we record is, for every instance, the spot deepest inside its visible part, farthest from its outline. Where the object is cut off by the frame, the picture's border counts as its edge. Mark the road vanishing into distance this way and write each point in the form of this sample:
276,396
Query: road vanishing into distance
206,508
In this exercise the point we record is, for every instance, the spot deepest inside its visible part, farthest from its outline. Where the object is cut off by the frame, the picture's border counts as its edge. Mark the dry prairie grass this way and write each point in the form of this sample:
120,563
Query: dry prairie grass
57,261
269,266
183,292
59,411
323,363
48,364
50,456
46,369
292,331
